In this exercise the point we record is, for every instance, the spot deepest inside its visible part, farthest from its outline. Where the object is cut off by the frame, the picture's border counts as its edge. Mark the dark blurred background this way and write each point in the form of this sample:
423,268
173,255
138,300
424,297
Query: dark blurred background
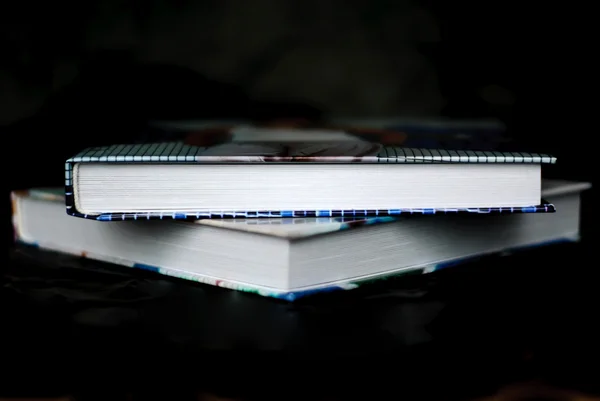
81,73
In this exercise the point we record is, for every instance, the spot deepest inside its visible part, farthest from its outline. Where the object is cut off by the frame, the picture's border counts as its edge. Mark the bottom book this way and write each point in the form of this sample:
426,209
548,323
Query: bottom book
293,258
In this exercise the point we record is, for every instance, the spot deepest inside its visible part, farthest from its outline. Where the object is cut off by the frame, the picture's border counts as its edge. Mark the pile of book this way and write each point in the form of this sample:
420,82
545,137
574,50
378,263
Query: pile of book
286,212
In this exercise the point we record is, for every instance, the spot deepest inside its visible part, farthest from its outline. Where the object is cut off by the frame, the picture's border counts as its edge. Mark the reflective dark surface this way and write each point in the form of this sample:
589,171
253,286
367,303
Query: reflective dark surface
75,322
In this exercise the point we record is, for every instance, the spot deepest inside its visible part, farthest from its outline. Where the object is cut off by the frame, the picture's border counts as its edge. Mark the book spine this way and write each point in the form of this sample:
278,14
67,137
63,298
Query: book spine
71,209
16,213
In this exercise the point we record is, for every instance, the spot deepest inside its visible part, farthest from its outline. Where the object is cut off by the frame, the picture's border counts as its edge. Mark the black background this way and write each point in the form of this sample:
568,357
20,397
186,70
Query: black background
538,52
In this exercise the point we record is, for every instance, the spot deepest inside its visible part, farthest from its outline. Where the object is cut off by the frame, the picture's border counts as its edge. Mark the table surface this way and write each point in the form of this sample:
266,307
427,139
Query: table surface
76,322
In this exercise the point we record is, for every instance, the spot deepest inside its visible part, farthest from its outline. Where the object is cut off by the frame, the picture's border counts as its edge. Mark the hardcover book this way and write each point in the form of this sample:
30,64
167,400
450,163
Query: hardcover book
290,258
282,172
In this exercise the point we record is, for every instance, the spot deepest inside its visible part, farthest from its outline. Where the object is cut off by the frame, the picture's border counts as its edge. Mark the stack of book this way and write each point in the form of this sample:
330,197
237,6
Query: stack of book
286,212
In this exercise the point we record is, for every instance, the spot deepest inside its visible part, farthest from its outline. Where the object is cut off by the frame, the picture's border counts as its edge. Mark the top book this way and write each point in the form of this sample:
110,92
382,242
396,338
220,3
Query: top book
277,171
